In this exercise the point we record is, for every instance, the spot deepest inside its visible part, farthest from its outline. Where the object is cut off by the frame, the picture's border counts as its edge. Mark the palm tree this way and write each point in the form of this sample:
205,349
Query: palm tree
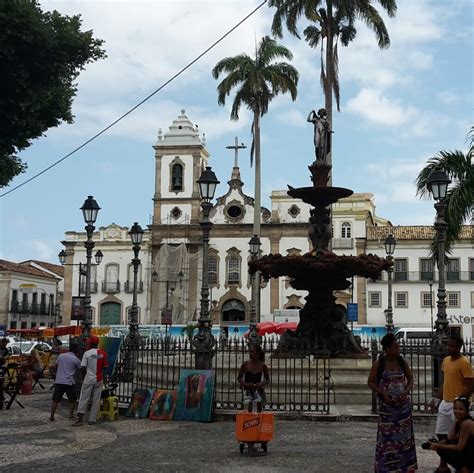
332,22
460,197
257,81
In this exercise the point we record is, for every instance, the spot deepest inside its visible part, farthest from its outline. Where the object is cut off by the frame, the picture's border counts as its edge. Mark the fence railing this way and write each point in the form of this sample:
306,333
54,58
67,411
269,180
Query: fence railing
299,384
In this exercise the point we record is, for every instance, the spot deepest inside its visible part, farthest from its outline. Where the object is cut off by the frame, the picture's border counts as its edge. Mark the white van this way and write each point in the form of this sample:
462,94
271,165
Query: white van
414,333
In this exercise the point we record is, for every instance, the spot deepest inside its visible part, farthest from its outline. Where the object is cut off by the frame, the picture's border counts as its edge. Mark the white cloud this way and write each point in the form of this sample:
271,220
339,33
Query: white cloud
448,97
378,108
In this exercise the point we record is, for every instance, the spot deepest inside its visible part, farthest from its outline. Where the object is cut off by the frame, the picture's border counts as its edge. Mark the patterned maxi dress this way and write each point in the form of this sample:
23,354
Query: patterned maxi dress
395,450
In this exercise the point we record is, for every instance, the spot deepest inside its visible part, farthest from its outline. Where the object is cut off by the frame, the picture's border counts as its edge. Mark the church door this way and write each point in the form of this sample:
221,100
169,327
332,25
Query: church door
110,313
233,311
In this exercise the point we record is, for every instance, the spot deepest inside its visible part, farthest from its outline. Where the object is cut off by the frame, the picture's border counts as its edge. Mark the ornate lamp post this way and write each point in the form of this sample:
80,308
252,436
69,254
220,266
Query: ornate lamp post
430,283
254,337
389,244
438,182
204,341
90,209
82,271
136,235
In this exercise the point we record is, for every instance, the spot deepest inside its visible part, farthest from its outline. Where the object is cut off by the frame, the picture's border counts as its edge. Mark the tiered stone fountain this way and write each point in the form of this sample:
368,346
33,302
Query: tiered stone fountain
320,272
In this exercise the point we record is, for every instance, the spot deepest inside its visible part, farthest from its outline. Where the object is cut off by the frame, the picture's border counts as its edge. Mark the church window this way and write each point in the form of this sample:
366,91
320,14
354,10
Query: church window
176,213
345,230
233,266
294,210
213,270
177,177
234,211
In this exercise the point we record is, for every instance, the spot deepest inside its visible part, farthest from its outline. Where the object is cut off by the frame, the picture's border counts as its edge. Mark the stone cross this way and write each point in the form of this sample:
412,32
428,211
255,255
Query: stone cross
236,147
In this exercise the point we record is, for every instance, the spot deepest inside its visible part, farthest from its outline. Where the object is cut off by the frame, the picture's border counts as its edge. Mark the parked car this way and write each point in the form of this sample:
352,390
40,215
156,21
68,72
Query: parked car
423,334
26,346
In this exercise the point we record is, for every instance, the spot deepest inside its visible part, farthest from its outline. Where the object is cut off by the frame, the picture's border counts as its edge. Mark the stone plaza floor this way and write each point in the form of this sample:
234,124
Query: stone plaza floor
28,442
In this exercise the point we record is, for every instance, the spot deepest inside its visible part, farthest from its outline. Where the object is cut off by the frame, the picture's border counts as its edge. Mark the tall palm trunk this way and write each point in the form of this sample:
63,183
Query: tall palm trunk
329,78
257,210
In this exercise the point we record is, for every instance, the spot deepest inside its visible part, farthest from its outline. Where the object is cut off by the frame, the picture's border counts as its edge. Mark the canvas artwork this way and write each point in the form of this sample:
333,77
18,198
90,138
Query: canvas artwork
195,395
140,403
163,404
111,346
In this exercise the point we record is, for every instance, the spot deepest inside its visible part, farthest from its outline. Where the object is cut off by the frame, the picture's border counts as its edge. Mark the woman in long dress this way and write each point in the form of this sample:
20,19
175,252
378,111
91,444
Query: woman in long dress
391,379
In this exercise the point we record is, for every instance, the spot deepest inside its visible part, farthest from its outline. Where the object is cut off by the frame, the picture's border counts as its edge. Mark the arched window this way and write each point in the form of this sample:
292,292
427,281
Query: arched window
346,230
111,283
233,310
177,177
213,266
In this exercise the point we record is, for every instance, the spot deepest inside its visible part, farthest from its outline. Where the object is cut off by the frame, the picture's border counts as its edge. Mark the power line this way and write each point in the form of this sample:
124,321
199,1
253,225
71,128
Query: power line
138,104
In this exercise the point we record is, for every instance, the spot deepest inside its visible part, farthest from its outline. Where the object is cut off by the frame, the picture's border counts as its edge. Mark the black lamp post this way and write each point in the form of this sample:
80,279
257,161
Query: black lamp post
204,341
90,209
136,235
438,182
389,244
254,337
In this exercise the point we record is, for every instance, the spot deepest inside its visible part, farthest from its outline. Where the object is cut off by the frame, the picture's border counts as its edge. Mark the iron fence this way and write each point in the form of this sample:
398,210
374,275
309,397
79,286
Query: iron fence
298,383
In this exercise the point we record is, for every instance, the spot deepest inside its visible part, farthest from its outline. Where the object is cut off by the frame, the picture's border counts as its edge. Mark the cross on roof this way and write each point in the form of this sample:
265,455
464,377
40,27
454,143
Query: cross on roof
236,147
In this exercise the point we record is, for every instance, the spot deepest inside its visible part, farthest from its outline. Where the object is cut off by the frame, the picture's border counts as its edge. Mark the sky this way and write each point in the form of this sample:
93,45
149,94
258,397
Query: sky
399,107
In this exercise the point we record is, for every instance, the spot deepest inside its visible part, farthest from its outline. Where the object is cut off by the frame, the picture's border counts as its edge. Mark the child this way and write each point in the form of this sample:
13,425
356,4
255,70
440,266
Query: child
253,376
458,450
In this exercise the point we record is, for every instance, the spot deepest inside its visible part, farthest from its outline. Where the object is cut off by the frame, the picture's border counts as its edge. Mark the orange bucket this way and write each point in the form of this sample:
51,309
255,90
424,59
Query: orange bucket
250,427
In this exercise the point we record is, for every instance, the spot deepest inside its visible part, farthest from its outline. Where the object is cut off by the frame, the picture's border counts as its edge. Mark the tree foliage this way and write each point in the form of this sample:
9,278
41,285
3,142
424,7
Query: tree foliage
460,197
331,22
42,54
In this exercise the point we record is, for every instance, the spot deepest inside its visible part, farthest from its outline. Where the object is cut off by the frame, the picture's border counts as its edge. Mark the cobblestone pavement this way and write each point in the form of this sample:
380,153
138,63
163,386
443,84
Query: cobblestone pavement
28,442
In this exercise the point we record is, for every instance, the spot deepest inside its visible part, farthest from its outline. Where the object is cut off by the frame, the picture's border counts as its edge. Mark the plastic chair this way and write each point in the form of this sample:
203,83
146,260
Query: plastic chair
109,408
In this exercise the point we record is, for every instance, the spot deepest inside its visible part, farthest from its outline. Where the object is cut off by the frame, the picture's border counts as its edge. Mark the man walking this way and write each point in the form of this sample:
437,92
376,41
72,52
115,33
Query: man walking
66,367
457,373
93,363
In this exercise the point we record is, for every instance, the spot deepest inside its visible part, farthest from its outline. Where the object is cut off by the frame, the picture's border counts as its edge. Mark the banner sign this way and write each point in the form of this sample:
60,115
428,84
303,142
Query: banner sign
77,308
352,312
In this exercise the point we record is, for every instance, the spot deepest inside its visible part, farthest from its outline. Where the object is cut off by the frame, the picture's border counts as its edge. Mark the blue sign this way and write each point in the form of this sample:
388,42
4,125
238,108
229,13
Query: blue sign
352,312
3,330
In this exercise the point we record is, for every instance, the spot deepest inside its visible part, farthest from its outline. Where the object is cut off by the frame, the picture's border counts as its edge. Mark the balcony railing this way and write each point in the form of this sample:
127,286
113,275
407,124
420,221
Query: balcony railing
425,276
94,287
128,286
342,243
111,287
33,309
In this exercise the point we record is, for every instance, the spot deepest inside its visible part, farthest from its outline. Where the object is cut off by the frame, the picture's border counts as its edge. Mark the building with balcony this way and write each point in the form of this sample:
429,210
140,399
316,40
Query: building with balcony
415,279
29,294
112,280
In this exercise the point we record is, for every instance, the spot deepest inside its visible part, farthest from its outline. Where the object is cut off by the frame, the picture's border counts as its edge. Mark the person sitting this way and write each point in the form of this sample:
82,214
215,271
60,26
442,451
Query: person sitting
458,449
253,376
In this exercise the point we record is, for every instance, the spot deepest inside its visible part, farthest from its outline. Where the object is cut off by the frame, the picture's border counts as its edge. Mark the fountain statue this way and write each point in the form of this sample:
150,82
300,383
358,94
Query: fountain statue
320,272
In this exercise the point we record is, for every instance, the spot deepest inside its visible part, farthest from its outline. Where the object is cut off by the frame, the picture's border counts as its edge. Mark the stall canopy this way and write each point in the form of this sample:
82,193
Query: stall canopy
265,328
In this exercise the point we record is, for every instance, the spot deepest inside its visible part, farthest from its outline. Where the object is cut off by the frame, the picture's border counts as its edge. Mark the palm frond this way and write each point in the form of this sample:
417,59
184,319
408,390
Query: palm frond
312,36
374,21
230,64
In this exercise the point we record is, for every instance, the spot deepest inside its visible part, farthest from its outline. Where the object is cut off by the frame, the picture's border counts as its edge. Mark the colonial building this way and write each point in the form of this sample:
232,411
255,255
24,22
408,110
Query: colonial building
30,294
170,277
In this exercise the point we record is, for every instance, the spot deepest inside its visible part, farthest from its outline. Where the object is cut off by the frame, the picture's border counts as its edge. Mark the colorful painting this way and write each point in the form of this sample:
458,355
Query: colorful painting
195,395
140,403
111,346
163,405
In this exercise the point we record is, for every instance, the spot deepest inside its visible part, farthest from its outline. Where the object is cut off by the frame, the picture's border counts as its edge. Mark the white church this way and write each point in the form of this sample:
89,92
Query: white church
171,255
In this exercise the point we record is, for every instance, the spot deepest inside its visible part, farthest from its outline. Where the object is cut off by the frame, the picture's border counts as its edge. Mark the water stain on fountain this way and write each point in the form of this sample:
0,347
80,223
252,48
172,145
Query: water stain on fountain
320,272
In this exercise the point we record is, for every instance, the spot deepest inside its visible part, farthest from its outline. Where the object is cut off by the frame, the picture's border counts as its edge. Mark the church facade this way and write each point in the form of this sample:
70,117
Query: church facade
171,254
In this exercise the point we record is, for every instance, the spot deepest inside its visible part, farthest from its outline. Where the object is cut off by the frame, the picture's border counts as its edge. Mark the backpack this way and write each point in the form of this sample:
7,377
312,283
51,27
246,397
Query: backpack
381,368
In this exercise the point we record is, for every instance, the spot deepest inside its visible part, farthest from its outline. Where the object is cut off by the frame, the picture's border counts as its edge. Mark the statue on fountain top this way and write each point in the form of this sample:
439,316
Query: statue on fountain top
322,134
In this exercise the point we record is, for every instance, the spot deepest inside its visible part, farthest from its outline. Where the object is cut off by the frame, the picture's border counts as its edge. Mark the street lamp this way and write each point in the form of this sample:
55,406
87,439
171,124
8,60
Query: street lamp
136,235
82,271
254,337
389,244
437,183
90,209
204,341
